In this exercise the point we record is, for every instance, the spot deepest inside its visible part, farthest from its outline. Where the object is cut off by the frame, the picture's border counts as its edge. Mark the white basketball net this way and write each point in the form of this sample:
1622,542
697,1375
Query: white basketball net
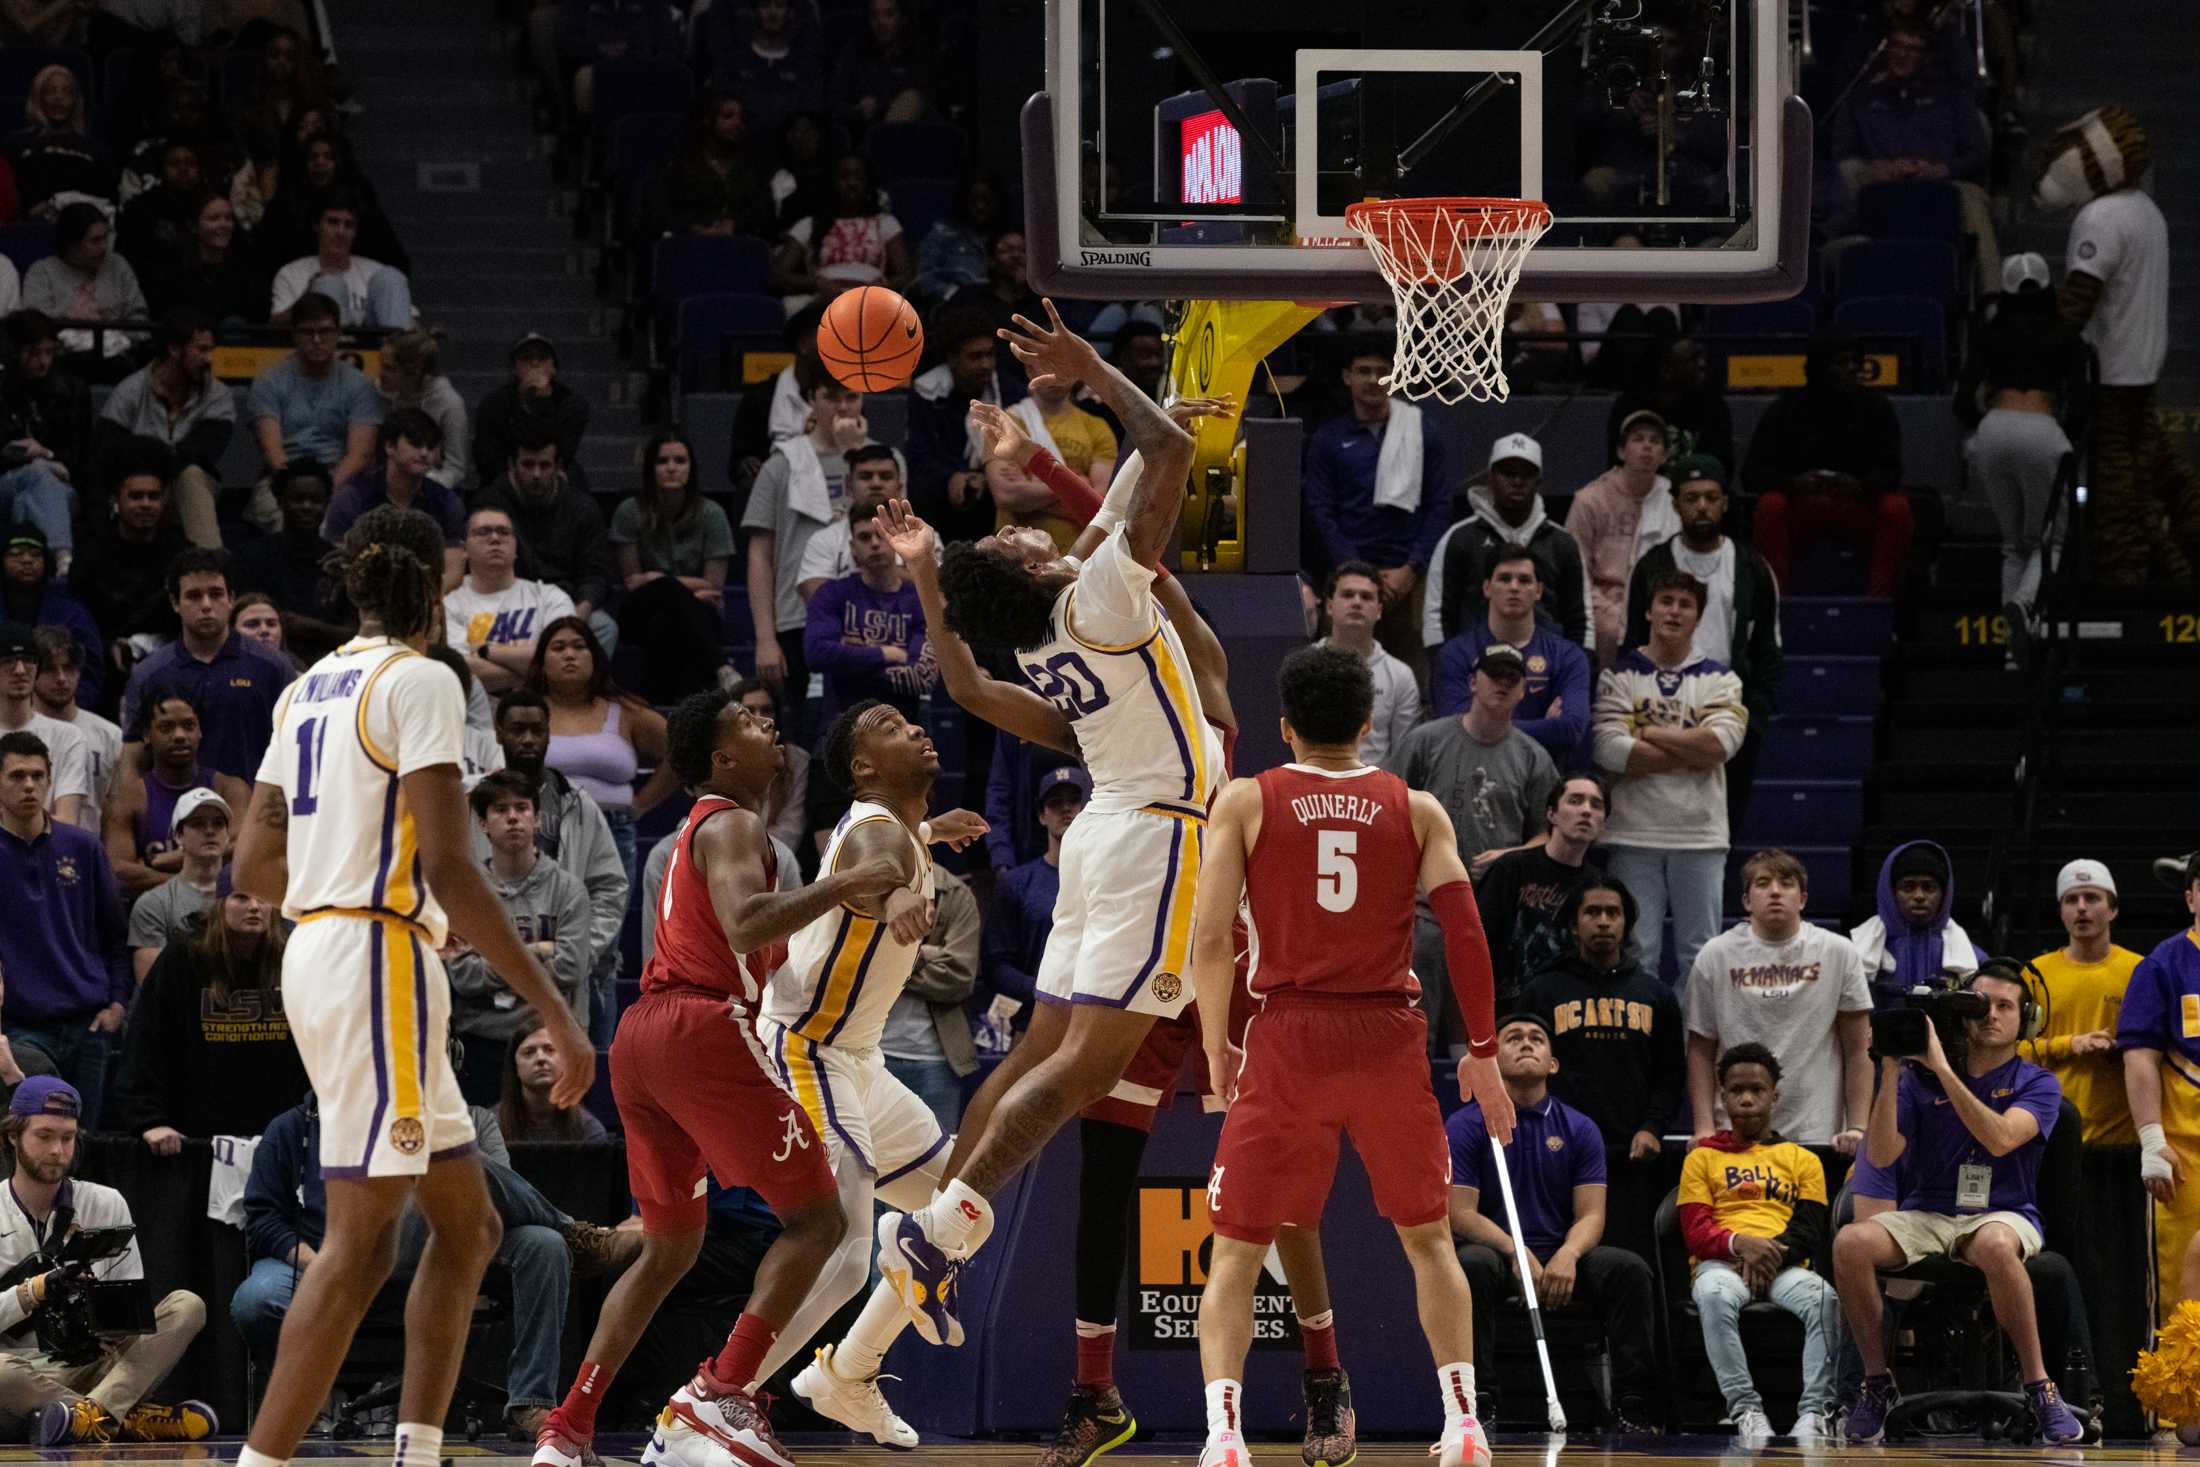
1452,265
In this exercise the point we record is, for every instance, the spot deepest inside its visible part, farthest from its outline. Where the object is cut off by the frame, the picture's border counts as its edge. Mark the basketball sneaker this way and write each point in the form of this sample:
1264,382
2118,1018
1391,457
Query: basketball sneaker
73,1419
1226,1449
186,1421
727,1418
553,1448
924,1277
1331,1434
857,1404
1096,1422
1462,1445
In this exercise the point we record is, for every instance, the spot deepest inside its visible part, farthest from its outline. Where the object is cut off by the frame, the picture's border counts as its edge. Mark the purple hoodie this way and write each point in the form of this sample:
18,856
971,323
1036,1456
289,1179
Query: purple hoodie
1915,950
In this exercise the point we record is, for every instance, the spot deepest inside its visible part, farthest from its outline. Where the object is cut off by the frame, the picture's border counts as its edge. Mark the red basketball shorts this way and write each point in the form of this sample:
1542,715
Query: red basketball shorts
1318,1068
1157,1071
694,1095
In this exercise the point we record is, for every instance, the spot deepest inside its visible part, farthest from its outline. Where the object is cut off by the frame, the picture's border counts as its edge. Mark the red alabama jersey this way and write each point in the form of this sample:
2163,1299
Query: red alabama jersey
692,951
1330,882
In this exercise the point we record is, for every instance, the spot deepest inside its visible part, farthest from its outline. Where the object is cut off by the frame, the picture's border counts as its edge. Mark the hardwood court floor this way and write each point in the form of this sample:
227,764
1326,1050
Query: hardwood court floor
1510,1451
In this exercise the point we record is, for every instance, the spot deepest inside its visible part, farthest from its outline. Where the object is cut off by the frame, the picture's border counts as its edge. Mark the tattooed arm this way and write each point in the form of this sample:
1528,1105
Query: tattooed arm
262,863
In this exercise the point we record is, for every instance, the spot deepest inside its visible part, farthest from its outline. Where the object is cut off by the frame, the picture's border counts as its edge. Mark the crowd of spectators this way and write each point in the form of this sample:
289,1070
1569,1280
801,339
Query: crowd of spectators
1584,681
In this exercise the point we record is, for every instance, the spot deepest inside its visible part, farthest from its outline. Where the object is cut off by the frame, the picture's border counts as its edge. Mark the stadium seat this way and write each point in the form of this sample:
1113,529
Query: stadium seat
1801,747
627,87
639,142
1911,211
919,202
710,330
902,150
1814,686
1914,324
26,243
1843,624
684,265
1735,330
1804,812
1925,267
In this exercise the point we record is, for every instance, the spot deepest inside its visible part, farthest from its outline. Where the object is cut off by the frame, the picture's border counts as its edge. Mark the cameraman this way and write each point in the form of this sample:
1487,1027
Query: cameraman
40,1395
1972,1142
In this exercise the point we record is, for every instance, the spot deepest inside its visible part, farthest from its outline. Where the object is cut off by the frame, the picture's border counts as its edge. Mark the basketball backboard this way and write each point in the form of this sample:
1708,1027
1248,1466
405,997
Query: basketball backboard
1208,148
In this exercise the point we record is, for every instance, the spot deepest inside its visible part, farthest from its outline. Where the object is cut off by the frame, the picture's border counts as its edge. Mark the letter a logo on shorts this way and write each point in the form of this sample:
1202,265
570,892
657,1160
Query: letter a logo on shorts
1214,1190
793,1138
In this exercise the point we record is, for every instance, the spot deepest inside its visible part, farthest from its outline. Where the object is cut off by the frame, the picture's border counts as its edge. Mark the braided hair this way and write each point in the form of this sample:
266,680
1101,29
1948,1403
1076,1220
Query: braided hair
393,569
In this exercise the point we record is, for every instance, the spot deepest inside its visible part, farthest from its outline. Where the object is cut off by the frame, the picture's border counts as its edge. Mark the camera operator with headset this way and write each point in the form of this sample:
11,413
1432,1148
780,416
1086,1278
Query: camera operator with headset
1971,1132
79,1347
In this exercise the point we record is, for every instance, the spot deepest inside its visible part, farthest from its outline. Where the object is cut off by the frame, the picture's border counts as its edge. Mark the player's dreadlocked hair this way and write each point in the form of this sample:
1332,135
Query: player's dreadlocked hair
1327,694
393,568
993,600
840,744
691,734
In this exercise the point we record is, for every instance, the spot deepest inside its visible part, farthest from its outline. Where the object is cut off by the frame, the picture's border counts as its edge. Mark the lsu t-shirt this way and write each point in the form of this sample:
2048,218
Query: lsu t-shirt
1786,996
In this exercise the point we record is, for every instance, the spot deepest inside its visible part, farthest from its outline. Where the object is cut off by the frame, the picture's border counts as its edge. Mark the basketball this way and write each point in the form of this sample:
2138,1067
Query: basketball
870,339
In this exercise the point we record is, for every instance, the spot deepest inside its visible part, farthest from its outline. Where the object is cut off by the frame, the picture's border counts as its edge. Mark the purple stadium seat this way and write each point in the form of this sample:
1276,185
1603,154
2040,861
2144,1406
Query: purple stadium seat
1836,624
918,202
1916,326
900,150
628,86
1925,267
1821,685
709,327
1803,812
1816,748
1911,211
685,265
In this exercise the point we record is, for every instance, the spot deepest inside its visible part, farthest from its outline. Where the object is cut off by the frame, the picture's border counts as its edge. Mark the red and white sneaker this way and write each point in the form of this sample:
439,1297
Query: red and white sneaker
553,1448
731,1419
1463,1445
1226,1449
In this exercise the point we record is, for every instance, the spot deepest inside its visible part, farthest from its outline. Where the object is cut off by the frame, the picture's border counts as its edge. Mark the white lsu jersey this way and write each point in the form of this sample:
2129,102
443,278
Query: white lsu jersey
844,971
1116,669
359,719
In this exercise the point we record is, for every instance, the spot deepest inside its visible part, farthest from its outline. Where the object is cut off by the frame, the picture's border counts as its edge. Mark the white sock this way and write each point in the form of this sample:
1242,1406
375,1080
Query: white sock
864,1350
1222,1408
1322,1320
249,1458
418,1446
958,1220
1455,1382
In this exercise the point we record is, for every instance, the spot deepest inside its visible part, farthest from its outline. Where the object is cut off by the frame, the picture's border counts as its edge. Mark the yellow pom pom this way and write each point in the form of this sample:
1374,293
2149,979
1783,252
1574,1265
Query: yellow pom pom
2167,1378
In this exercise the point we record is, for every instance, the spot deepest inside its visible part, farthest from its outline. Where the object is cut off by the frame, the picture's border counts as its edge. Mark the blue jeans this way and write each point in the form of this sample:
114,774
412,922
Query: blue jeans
935,1083
36,494
533,1250
1688,884
80,1054
1720,1294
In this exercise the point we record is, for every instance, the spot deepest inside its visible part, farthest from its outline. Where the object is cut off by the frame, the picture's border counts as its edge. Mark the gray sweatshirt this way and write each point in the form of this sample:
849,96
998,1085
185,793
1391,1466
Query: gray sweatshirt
550,905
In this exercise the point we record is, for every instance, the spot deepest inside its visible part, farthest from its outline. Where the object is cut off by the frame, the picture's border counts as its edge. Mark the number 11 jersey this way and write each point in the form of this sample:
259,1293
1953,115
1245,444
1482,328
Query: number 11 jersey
1329,883
362,717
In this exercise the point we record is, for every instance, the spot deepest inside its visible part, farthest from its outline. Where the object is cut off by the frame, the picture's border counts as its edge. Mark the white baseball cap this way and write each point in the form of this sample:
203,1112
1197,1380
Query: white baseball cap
1517,445
190,802
2083,873
2027,271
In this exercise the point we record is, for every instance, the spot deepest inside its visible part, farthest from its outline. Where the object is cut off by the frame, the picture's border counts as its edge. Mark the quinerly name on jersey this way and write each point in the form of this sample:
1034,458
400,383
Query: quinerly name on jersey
1310,808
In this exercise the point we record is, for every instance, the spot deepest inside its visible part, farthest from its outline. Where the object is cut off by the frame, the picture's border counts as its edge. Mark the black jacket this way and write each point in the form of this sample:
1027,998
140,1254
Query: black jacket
206,1065
1622,1058
563,542
1757,658
505,411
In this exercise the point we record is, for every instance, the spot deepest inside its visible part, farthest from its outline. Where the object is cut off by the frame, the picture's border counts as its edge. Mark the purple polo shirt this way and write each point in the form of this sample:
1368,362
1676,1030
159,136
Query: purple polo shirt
236,692
1939,1142
64,946
1554,1149
2161,1008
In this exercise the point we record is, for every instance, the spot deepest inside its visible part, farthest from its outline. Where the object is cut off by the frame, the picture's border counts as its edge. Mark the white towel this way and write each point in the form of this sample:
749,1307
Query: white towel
790,414
1398,466
1659,521
1035,425
808,494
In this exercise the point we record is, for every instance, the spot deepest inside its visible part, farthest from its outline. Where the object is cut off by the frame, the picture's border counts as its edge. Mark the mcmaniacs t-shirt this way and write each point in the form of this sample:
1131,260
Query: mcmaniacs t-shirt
1785,996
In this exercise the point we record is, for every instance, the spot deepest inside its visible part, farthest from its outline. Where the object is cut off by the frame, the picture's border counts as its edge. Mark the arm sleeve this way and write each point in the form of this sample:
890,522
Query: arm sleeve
1637,630
1805,1234
1614,741
1000,819
1470,1144
1467,958
1405,709
271,1191
2140,1021
821,635
112,924
1437,590
1564,730
950,977
489,1138
603,874
1721,711
1318,493
1002,947
142,1081
1436,496
72,768
575,951
1699,1213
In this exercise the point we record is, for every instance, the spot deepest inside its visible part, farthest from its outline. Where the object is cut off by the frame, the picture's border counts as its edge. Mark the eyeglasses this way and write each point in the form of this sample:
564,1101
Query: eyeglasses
489,532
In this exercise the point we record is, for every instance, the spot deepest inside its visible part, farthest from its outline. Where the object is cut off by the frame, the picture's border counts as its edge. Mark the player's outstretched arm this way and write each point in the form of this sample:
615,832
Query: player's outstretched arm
261,865
1056,351
885,842
436,796
1232,827
1004,705
1467,957
729,851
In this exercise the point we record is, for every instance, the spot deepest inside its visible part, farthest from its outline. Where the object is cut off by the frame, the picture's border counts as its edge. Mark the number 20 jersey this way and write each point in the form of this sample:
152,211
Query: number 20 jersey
1145,737
1329,883
345,732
